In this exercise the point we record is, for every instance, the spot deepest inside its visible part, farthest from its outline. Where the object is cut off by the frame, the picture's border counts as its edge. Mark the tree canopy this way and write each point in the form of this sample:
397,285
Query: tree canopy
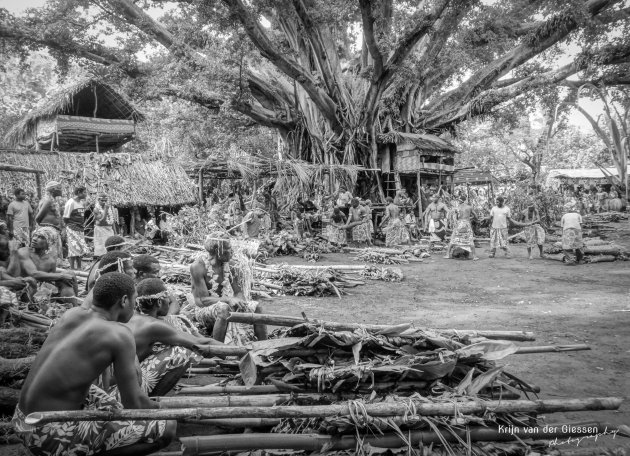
337,77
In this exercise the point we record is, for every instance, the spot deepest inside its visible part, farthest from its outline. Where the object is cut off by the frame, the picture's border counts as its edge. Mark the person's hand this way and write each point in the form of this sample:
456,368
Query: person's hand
237,303
69,276
14,245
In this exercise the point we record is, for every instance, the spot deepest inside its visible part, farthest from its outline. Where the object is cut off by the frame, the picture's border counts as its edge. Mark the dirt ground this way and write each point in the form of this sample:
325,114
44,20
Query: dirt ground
560,304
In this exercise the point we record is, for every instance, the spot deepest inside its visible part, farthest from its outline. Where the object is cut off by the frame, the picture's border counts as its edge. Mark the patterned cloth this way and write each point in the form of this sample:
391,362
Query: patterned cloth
76,243
437,229
462,236
498,238
396,232
53,237
572,239
84,438
7,298
534,235
22,235
237,333
162,369
101,233
361,233
336,235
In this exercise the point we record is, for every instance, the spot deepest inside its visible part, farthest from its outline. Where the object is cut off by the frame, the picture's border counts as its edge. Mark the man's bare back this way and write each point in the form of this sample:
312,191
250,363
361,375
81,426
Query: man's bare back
66,365
464,212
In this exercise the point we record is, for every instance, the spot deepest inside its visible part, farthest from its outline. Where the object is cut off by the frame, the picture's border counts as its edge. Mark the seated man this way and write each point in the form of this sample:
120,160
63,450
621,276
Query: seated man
163,351
38,263
114,261
112,244
216,291
49,387
9,259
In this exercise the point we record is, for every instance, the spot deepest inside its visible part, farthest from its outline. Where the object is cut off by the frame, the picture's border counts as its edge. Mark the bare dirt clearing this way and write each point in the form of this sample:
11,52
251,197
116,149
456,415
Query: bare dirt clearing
560,304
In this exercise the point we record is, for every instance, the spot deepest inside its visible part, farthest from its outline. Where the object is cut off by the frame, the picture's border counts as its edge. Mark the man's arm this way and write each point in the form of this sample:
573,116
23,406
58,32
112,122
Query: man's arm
13,268
199,287
67,211
43,210
10,219
29,269
31,219
124,353
166,334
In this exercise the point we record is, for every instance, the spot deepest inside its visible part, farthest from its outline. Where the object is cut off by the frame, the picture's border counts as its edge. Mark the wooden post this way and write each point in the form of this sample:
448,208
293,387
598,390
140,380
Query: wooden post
397,181
97,144
419,184
38,184
440,173
468,192
200,183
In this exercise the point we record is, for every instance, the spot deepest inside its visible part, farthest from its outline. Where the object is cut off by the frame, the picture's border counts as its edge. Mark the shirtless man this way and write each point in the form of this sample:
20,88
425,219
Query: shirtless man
49,387
434,211
49,217
37,262
396,232
462,236
163,351
209,276
148,267
115,261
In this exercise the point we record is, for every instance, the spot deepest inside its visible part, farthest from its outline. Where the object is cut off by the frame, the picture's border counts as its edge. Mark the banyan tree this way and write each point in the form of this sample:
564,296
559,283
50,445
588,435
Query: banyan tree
340,79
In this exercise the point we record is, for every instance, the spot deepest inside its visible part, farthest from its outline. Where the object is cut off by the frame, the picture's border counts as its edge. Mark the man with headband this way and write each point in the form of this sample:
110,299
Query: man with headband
217,291
49,218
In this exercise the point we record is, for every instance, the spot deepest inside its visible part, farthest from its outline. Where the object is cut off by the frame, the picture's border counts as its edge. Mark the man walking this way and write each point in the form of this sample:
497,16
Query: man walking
571,224
20,218
500,215
74,217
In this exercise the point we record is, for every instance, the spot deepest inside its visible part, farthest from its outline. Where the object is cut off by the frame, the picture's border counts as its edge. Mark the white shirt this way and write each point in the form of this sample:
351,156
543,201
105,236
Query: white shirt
499,217
571,220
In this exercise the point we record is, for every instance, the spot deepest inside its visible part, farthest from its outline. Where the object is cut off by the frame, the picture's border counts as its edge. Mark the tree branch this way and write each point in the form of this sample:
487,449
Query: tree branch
485,101
367,18
136,16
285,64
263,116
96,54
212,102
545,36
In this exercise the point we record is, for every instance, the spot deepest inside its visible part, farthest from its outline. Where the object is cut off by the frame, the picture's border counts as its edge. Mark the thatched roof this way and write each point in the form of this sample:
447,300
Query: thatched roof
126,178
86,99
423,142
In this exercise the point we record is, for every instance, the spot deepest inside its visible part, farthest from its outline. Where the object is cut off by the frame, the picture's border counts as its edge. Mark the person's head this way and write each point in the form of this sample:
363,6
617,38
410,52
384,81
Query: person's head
116,293
434,198
237,211
42,239
80,193
403,192
152,296
20,195
53,188
114,243
218,246
117,261
389,200
146,267
336,211
367,202
355,202
343,189
102,199
500,201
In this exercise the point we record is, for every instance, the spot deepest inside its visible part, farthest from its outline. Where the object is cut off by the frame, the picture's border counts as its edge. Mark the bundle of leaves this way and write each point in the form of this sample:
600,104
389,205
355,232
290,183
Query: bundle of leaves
386,274
304,282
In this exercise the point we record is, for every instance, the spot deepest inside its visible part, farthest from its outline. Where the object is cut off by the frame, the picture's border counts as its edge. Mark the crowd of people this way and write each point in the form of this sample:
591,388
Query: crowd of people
163,334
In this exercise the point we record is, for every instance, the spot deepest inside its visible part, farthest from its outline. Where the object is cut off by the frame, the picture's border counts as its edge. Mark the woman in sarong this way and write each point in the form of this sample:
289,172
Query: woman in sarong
337,228
396,232
104,218
534,233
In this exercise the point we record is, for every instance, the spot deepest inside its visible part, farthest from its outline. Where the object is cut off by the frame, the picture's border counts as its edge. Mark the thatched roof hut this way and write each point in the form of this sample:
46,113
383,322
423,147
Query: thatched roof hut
128,179
87,116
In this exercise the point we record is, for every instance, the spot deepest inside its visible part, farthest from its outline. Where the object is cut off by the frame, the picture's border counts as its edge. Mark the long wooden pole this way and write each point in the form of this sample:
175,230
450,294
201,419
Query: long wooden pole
282,320
400,408
318,442
259,400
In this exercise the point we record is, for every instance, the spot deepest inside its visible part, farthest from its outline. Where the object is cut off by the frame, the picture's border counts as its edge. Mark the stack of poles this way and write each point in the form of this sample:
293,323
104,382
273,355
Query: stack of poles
239,407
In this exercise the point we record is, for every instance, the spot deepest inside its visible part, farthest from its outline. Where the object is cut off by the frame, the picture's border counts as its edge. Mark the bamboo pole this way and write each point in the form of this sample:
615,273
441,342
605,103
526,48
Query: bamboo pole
552,348
258,400
400,408
336,267
282,320
318,442
269,389
237,423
